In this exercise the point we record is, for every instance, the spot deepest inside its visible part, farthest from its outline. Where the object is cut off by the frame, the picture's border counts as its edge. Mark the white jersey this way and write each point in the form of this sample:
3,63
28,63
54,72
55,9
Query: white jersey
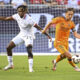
25,24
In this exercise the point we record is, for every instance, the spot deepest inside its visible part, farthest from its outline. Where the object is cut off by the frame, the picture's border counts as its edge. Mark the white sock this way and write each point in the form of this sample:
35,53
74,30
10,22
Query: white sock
30,64
10,60
55,61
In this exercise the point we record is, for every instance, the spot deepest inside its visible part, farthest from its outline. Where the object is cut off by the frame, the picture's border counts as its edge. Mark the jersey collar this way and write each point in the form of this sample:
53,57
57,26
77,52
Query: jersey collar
24,16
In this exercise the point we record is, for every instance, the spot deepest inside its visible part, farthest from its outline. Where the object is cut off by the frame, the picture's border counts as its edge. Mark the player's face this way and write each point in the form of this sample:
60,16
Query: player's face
69,15
21,12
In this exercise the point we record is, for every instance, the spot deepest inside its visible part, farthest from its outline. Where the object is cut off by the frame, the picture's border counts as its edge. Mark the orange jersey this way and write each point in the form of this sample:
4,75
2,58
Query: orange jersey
63,28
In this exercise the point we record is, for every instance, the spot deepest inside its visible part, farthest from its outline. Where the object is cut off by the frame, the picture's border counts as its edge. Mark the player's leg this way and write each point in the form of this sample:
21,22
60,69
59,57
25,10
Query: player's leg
29,44
64,51
69,57
30,57
10,46
60,57
15,41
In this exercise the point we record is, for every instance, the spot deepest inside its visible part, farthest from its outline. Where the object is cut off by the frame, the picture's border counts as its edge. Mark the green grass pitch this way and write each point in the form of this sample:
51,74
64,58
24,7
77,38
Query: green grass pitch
42,69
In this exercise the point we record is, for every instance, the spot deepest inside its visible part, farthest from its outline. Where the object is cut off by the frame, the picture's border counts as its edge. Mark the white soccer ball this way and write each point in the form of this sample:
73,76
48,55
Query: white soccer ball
76,59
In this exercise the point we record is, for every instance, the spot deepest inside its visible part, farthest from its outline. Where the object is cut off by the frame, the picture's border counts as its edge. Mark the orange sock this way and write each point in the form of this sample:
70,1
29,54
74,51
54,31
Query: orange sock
72,63
59,58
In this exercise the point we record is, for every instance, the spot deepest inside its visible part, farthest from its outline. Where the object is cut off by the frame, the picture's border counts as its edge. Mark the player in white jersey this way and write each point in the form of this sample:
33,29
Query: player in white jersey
26,35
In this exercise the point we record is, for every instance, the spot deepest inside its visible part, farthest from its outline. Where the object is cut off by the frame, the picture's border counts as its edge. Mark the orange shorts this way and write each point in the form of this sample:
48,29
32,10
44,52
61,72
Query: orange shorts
61,47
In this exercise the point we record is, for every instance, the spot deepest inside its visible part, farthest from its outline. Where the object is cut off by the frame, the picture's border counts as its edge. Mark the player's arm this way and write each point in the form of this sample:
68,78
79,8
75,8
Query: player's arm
39,28
47,26
53,21
76,34
74,31
6,18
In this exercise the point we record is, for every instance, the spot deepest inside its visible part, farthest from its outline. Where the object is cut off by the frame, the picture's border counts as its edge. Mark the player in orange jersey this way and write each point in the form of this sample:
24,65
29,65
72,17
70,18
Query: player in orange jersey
63,27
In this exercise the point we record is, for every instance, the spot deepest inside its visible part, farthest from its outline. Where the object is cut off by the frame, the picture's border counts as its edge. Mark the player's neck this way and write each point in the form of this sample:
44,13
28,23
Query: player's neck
67,19
23,16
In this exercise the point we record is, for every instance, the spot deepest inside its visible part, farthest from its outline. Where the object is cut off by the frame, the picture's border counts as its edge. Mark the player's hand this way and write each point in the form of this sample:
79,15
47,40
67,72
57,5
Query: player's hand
42,31
50,38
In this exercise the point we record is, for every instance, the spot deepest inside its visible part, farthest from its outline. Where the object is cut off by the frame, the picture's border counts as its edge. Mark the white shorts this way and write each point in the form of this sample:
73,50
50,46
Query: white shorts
20,40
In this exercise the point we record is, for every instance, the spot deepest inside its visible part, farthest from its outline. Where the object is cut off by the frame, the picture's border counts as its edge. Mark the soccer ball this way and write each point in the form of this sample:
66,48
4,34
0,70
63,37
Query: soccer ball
76,59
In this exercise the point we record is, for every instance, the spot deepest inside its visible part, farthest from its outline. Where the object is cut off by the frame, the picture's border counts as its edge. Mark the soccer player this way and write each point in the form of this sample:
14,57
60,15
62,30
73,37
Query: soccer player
62,32
26,35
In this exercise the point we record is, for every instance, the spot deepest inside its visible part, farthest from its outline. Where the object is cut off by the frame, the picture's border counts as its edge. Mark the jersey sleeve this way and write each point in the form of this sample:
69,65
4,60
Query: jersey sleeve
56,20
14,16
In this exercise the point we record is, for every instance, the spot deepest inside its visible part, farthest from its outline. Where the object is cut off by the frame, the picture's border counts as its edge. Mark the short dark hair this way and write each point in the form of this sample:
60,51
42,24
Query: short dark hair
70,9
24,7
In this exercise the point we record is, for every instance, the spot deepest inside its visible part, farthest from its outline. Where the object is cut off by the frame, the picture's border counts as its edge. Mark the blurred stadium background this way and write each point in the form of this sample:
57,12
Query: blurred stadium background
42,14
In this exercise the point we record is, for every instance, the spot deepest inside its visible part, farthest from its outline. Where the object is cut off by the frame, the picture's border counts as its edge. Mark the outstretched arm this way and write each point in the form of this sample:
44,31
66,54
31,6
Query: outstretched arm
6,18
48,25
76,34
53,21
39,28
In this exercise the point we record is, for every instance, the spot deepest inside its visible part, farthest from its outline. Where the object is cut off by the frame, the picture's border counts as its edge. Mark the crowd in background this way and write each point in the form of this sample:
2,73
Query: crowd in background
16,3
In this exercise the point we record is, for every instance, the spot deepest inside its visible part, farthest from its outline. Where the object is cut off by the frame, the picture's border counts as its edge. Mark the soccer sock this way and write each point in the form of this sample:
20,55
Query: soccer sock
10,60
30,64
72,63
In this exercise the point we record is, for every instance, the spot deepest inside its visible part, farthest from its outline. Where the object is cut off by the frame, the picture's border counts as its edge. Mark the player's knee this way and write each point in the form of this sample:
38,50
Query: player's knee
69,57
62,56
29,50
30,55
9,48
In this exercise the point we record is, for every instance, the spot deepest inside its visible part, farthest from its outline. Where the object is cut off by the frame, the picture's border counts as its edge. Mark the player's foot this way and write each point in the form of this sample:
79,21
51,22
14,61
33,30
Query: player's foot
31,70
54,65
77,69
8,67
